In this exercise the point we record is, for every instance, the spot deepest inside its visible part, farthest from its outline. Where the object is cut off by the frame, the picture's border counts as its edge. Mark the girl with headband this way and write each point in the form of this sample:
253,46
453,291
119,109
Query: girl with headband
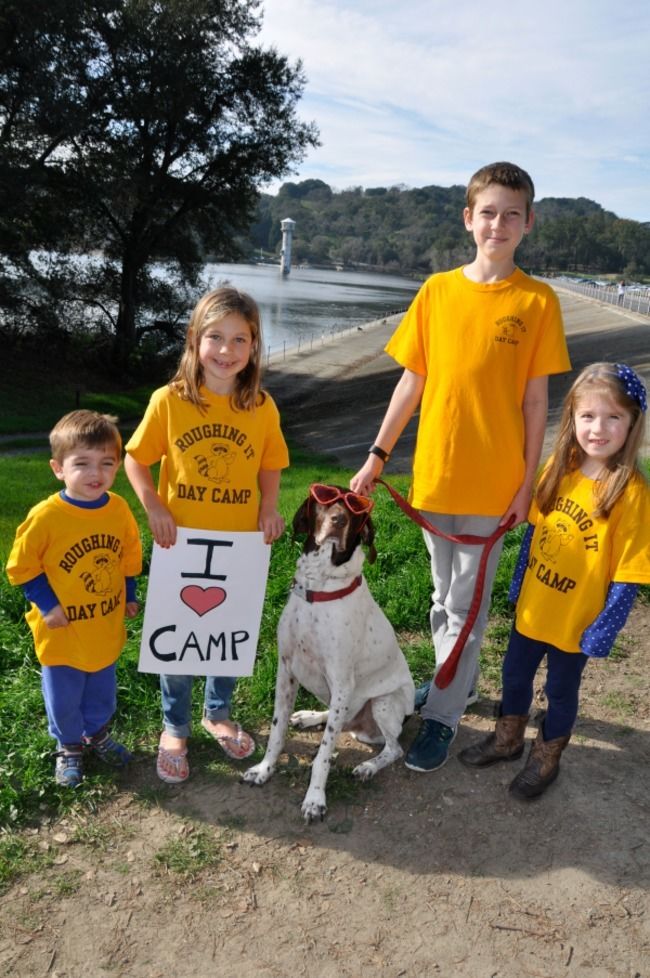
586,550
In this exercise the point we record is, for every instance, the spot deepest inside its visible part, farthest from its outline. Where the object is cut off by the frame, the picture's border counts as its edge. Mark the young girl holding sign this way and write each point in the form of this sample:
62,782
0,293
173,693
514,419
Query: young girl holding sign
585,552
217,436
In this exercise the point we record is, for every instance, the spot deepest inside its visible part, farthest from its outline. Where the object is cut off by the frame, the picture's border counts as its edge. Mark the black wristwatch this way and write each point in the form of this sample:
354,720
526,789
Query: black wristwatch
379,452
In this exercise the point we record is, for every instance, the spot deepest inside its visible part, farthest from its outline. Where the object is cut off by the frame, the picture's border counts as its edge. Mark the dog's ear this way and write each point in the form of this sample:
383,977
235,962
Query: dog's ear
368,537
302,523
301,519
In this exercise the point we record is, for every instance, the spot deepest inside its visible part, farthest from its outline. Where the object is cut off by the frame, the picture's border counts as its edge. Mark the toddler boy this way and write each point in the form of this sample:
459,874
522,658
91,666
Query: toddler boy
76,557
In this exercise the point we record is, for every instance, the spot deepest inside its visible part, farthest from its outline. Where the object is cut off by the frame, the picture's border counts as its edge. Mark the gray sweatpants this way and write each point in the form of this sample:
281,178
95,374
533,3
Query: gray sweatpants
454,569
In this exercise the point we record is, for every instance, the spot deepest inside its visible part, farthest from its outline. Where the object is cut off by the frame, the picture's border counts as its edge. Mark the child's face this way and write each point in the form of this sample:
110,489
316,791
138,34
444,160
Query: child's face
601,427
498,221
87,472
224,351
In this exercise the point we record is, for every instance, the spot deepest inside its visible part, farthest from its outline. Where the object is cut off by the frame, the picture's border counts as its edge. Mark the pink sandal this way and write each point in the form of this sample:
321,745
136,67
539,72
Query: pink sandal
237,746
172,768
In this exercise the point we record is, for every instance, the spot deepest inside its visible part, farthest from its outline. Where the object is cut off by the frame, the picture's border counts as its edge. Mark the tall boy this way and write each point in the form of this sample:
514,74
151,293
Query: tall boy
477,345
76,557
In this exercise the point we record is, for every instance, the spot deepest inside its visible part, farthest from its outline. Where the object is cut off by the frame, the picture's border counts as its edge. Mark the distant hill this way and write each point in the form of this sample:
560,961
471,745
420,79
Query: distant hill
420,230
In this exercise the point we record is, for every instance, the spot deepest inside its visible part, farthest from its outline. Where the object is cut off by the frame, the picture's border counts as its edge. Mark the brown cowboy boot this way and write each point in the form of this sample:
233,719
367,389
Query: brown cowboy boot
506,743
542,767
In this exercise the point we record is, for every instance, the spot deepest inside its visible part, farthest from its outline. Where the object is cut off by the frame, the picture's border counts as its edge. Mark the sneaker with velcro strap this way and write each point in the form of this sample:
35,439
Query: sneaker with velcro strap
430,749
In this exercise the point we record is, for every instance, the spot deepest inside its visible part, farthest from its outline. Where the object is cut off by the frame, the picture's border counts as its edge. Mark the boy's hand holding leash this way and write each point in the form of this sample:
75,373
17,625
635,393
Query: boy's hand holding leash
366,479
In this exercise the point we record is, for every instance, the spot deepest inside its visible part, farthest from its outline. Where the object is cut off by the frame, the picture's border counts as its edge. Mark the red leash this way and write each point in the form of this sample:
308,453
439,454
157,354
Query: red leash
447,670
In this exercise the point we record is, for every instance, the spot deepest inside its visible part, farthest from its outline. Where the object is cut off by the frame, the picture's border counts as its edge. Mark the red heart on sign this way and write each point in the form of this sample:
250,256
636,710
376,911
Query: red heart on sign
201,600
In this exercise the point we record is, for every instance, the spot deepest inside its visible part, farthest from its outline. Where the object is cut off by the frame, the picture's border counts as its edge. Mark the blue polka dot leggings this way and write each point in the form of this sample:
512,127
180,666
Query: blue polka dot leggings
564,673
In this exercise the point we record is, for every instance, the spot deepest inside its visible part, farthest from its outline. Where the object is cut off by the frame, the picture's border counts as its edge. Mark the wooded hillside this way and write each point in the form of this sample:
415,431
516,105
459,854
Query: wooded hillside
421,230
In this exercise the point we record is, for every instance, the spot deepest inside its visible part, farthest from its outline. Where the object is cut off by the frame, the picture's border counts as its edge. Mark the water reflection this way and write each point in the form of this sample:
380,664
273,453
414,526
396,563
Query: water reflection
312,301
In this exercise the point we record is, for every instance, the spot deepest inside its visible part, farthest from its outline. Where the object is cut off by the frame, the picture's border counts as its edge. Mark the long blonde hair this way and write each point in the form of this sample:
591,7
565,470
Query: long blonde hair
210,309
598,378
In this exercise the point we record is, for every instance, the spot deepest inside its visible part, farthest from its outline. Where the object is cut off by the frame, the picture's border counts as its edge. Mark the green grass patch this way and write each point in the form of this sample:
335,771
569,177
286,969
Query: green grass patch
618,703
192,852
399,579
18,857
36,391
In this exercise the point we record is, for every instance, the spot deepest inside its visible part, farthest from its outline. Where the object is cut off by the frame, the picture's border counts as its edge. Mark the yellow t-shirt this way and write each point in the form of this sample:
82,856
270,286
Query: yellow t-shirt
477,345
85,554
574,557
209,461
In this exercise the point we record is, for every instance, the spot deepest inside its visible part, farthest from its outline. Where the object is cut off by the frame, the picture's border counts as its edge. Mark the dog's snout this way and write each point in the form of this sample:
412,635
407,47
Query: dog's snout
332,523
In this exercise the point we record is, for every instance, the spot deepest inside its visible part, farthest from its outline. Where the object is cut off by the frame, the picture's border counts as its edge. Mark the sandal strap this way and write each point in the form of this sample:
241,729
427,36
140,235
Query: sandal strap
174,759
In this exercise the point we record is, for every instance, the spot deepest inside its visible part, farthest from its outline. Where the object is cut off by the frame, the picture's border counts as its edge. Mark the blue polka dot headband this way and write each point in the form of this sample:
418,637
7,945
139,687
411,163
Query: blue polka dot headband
634,386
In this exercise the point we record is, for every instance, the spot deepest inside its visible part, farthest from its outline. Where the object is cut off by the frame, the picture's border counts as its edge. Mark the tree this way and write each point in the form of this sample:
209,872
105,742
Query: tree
147,130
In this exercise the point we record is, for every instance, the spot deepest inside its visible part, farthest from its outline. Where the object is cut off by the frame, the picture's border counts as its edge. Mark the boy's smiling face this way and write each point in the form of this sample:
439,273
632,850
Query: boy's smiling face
498,221
87,472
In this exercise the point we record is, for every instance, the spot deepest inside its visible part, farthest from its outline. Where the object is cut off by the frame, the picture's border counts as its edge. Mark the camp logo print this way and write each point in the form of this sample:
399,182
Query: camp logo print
216,466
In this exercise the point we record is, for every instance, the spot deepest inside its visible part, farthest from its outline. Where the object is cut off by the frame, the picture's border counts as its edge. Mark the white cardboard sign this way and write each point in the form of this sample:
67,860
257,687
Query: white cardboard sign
204,604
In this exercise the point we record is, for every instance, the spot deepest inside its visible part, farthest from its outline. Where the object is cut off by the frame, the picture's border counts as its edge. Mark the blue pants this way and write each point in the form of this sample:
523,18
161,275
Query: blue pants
564,673
78,704
177,701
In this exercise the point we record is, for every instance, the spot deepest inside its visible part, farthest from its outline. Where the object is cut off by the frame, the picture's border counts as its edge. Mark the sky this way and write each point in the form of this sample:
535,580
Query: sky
422,92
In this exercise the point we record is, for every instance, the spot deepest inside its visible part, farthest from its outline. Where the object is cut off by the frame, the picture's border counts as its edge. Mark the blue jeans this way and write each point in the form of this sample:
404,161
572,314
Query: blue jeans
177,701
564,673
78,704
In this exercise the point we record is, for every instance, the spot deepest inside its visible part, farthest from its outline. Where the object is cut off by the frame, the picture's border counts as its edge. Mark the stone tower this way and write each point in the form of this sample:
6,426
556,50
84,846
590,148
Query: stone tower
285,256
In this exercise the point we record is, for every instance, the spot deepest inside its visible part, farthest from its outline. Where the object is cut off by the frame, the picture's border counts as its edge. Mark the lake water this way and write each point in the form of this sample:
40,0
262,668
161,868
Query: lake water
311,302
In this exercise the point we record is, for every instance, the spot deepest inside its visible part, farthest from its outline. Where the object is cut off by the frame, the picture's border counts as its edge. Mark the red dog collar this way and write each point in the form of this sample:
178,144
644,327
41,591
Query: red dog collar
311,596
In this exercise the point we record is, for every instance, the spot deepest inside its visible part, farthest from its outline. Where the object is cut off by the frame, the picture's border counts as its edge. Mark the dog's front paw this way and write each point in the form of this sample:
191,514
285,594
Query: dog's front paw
305,719
314,805
365,771
258,774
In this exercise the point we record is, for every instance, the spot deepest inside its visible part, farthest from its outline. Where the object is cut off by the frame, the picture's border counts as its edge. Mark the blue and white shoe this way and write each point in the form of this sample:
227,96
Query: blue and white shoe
68,771
430,749
107,749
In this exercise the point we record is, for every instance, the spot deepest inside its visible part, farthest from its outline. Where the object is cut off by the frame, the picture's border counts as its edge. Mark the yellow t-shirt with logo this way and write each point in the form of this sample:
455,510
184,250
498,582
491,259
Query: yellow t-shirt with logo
209,462
85,554
477,345
574,557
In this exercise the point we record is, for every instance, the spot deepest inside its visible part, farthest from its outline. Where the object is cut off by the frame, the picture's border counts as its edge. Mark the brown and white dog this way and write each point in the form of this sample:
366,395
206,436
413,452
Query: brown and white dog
335,641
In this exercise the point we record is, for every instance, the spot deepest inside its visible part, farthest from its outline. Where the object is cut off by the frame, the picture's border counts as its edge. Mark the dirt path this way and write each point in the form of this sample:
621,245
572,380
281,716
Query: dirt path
411,875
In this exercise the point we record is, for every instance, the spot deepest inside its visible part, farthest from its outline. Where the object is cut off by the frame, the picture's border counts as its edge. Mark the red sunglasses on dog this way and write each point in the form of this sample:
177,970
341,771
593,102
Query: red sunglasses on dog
326,495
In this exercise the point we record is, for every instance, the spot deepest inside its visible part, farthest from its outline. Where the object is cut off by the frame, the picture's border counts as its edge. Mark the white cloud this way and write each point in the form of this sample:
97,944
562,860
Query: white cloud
425,92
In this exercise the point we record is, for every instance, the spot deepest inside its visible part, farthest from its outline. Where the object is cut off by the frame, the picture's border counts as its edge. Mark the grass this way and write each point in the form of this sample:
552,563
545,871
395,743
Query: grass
399,579
191,852
62,387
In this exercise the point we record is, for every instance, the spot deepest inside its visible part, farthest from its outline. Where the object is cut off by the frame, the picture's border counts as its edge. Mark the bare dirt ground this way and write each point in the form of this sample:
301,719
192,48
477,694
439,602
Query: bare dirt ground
410,875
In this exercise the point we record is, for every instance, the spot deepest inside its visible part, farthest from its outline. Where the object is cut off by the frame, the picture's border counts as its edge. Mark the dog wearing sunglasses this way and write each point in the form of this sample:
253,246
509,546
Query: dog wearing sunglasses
336,642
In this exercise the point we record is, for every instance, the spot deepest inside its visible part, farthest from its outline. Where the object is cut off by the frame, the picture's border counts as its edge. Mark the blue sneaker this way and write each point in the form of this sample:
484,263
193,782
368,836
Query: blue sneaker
430,749
107,749
422,692
68,771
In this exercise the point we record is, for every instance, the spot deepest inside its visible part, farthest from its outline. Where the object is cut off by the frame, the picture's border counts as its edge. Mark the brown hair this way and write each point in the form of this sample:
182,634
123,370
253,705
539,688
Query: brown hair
86,429
599,378
210,309
505,175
